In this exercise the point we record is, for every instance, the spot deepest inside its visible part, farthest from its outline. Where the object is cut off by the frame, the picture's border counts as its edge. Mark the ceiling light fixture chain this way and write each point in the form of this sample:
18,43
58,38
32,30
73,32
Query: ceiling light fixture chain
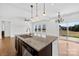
31,11
44,9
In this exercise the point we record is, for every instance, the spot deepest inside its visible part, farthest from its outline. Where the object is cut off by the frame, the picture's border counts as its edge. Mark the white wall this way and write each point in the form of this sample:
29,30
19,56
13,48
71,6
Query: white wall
15,27
18,27
15,16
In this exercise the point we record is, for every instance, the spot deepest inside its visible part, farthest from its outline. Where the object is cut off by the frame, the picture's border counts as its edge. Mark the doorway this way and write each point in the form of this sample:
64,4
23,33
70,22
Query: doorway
69,38
5,29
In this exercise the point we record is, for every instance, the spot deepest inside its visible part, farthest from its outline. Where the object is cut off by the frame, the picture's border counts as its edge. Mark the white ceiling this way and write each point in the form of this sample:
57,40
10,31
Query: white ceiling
51,8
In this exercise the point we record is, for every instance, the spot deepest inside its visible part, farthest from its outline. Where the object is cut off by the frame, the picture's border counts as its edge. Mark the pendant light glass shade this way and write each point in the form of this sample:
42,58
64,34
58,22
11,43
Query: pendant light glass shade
44,14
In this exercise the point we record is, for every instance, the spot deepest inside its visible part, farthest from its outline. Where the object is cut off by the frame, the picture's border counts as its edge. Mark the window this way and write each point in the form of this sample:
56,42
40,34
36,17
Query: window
39,28
44,28
35,28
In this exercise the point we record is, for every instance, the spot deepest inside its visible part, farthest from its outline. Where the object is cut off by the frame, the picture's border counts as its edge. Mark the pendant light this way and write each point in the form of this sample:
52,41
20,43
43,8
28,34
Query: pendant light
31,11
59,20
44,9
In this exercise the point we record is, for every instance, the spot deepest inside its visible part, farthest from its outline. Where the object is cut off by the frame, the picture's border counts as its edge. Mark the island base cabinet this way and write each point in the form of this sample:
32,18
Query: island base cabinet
23,49
47,51
25,52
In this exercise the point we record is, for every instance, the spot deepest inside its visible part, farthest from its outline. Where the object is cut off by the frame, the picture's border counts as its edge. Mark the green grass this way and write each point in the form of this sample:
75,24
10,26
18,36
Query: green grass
71,33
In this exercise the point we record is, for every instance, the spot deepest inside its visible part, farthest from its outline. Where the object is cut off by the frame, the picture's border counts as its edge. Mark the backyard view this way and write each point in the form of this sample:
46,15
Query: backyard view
69,38
73,30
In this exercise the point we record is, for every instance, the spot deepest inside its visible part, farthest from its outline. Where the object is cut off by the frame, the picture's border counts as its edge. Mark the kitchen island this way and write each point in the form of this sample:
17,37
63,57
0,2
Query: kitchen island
36,46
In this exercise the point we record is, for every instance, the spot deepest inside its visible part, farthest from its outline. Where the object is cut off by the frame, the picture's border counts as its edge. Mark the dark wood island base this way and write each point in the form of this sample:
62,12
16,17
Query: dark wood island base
19,44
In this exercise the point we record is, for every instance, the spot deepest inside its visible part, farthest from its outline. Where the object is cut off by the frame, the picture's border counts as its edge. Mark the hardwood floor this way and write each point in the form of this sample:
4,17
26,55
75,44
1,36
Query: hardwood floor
7,47
69,48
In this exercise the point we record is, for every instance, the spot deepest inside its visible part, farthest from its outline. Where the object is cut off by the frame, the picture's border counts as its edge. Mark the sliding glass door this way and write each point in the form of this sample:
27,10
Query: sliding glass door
69,38
63,37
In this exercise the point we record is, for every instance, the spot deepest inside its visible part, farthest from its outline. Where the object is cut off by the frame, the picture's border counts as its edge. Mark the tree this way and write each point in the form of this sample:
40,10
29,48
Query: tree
71,28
